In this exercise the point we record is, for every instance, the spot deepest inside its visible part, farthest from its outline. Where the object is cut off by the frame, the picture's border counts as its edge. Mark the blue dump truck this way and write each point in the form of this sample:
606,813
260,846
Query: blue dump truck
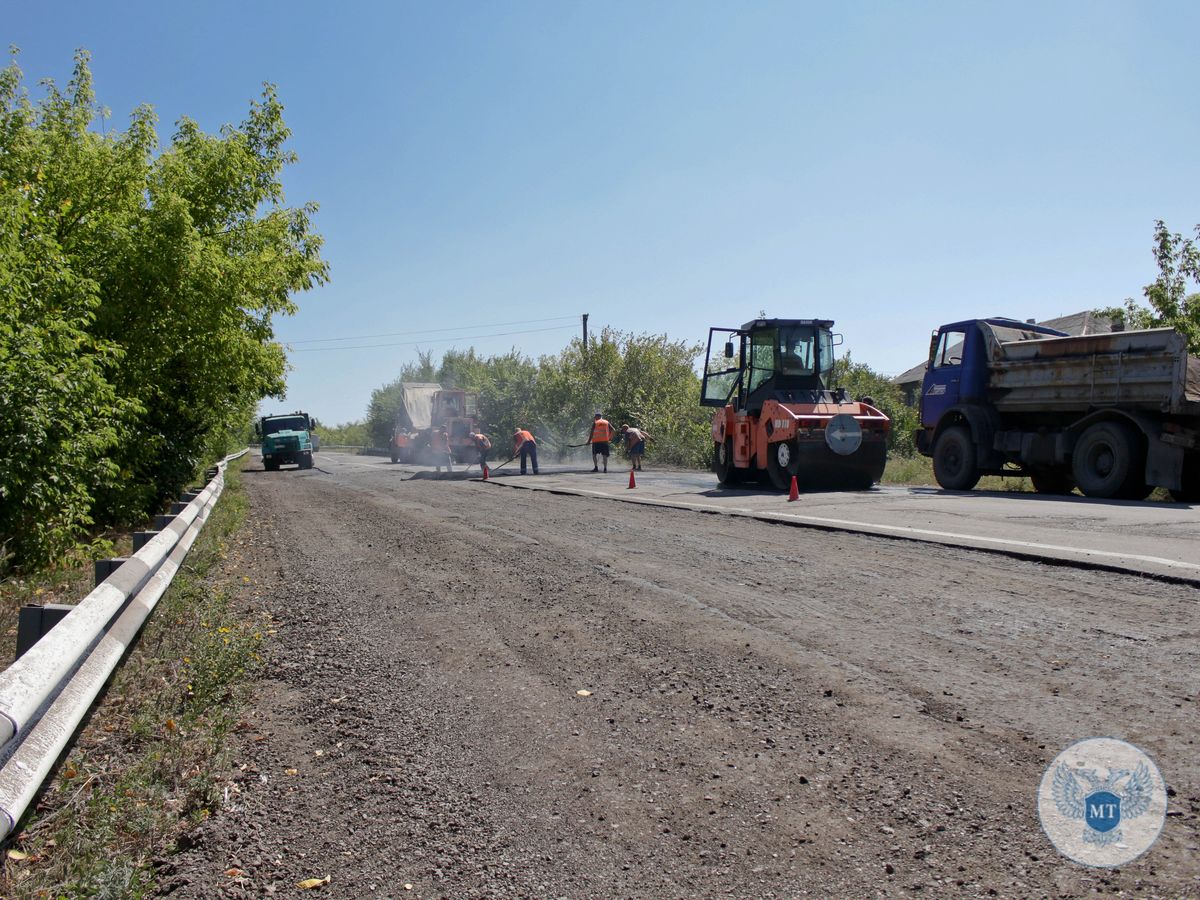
1115,415
287,440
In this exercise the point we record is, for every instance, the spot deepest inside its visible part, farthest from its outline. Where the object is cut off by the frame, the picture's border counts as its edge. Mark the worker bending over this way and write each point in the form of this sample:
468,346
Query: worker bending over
482,444
635,445
524,444
602,434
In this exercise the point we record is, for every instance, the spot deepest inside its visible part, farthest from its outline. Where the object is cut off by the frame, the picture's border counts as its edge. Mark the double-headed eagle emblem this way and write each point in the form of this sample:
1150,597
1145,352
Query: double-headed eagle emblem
1104,803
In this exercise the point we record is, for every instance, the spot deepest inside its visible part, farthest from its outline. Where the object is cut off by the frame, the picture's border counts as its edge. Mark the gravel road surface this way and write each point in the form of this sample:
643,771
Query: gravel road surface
476,691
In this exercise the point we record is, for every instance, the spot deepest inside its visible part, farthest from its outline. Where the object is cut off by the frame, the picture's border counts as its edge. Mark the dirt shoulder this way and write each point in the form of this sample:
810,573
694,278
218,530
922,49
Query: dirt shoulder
766,710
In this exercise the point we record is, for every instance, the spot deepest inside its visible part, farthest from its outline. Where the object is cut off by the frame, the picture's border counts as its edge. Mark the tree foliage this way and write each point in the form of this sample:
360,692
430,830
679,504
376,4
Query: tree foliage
137,292
352,434
864,382
647,381
1170,304
643,380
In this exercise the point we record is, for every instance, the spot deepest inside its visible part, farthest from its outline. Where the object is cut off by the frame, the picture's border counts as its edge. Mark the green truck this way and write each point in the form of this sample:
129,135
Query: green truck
287,440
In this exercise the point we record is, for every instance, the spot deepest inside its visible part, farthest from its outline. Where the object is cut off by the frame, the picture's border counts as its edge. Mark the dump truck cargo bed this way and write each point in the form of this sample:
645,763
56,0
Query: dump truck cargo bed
416,404
1148,370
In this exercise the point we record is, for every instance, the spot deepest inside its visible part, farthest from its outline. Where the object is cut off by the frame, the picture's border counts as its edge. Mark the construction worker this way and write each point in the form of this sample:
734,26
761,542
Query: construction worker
635,445
602,433
483,445
524,443
439,444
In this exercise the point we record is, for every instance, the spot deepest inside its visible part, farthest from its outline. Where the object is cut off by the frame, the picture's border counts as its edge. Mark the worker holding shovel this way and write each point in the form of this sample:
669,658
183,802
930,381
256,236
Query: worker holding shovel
526,446
482,444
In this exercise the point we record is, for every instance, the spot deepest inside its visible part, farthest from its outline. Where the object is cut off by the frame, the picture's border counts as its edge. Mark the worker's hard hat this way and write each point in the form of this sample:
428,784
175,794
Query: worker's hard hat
515,433
624,427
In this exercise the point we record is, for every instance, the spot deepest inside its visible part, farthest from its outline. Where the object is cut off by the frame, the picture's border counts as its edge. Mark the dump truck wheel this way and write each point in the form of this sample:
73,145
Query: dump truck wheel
395,457
306,461
780,458
1052,481
727,472
954,464
1107,463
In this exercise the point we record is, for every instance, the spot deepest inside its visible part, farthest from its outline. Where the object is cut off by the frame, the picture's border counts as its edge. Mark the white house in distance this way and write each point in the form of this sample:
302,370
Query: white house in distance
1078,323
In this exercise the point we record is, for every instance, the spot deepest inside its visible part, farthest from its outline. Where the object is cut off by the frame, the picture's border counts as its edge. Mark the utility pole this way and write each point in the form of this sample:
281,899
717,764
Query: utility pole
585,318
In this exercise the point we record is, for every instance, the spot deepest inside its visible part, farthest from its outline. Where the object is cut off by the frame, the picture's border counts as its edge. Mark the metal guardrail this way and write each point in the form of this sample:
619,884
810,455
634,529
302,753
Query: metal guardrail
45,694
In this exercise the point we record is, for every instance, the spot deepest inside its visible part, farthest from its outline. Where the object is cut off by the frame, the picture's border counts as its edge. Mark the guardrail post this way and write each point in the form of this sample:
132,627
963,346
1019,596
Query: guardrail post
34,621
141,539
211,473
105,567
177,507
161,522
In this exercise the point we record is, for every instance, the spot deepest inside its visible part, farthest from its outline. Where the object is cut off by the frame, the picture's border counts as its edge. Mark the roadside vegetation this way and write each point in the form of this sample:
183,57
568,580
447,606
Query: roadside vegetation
1168,302
138,284
142,771
352,434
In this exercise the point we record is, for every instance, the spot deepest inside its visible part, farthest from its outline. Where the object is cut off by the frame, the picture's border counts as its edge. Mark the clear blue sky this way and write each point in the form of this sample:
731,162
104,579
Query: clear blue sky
670,166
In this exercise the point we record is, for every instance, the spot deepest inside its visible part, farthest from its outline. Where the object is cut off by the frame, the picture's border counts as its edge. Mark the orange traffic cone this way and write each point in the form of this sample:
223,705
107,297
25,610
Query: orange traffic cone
485,472
794,493
632,483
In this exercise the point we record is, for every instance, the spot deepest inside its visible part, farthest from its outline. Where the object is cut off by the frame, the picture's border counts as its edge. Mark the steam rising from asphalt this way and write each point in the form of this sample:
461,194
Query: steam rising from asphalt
558,443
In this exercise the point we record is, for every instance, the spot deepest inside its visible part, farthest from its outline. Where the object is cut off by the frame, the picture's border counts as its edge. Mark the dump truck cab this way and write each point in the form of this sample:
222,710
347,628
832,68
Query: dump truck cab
286,440
957,371
780,415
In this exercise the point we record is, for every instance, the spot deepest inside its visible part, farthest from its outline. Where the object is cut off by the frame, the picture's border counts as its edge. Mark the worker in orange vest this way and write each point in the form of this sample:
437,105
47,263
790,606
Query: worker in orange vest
602,433
439,443
524,443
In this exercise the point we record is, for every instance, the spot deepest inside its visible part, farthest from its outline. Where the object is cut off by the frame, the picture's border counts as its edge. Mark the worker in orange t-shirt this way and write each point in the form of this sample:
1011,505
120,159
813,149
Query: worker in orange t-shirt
602,433
524,443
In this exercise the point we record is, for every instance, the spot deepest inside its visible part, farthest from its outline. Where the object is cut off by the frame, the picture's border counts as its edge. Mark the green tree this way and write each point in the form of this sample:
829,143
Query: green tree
861,381
507,396
205,260
59,415
140,288
352,434
1170,304
382,412
644,380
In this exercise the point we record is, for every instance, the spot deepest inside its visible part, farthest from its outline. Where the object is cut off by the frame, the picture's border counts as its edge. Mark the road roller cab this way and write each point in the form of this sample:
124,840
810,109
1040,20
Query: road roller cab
779,415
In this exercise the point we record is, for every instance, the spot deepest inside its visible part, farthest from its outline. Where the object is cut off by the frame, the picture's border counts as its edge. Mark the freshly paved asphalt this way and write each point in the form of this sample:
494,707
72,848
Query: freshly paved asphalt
1149,538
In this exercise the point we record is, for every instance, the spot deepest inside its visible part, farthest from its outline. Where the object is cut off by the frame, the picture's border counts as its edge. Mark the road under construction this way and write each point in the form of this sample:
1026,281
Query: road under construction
532,686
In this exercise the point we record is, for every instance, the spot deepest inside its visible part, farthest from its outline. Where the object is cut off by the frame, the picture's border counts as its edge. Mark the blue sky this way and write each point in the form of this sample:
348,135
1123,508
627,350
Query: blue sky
668,166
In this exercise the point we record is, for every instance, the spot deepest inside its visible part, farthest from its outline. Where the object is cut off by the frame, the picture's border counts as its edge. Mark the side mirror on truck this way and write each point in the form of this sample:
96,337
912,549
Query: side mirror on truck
729,349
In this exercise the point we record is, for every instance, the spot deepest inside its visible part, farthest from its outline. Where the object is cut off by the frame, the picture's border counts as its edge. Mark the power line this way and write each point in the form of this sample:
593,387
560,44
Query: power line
364,337
437,340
